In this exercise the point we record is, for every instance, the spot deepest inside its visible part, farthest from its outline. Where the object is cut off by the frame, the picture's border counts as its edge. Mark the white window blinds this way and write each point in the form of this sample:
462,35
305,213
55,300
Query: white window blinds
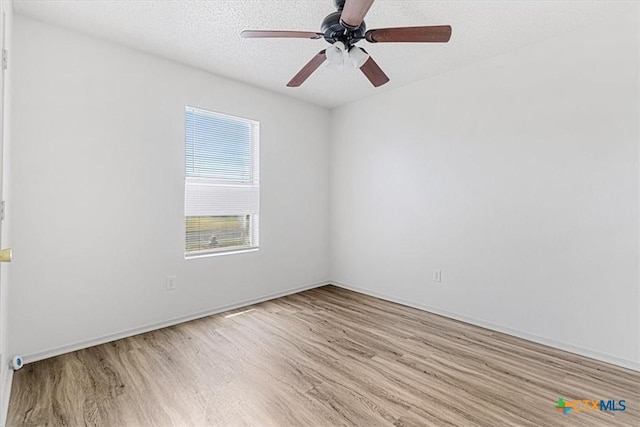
222,185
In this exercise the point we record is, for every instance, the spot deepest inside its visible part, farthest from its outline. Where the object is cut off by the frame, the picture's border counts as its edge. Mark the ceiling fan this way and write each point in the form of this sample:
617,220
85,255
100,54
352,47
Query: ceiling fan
346,27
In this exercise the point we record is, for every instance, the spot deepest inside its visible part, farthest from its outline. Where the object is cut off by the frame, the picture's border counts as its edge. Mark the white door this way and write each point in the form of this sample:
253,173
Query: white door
3,292
4,255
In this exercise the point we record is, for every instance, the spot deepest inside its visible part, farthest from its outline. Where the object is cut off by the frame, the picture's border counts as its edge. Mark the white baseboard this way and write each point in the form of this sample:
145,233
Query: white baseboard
599,356
603,357
56,351
7,380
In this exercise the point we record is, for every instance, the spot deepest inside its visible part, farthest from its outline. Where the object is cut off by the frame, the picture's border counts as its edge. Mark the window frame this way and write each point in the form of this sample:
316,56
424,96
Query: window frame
253,181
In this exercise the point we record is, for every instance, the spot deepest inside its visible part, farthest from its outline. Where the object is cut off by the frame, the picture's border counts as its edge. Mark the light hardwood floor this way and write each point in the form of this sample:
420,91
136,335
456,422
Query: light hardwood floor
322,357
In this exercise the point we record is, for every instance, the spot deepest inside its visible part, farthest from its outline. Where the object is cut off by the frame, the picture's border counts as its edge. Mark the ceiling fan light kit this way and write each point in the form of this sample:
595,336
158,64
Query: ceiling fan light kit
338,56
346,27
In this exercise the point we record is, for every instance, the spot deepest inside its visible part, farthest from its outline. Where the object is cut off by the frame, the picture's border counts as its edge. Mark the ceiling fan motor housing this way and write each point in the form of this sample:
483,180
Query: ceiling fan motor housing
334,31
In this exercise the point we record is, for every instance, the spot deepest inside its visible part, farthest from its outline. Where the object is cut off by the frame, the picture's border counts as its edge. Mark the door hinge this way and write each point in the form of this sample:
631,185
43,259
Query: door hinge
2,210
5,59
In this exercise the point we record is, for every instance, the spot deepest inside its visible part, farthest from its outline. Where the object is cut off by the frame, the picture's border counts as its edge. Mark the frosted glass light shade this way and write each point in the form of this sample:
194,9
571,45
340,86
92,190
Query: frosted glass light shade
335,53
358,57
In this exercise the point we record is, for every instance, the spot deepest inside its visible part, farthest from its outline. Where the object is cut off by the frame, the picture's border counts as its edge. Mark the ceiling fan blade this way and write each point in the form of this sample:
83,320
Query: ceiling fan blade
354,12
435,34
308,69
261,34
374,73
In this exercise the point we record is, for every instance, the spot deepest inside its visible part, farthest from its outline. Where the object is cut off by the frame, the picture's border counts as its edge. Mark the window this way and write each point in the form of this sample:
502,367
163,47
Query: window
222,183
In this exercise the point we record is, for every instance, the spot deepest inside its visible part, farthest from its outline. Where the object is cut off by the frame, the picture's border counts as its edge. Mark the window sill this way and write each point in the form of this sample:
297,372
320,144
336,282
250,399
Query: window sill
221,253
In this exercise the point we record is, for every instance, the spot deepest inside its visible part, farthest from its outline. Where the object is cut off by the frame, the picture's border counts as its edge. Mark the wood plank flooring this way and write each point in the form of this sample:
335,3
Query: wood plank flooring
323,357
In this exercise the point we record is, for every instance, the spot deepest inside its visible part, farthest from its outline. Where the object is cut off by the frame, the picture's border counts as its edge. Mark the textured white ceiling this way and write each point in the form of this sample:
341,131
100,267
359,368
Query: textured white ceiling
205,34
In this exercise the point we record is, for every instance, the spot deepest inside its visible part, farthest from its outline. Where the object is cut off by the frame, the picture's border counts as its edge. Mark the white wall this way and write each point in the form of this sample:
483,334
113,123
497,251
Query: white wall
97,186
518,178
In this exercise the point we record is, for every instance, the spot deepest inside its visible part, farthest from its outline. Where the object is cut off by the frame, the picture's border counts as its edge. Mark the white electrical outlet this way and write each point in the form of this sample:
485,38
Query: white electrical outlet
171,283
437,276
